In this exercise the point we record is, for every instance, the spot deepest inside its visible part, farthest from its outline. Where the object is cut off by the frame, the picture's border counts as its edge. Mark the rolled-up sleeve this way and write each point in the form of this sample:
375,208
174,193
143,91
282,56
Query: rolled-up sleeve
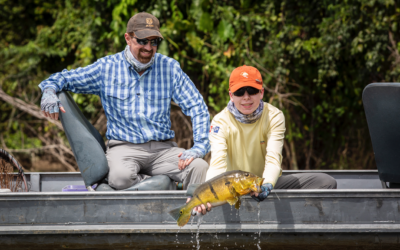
273,158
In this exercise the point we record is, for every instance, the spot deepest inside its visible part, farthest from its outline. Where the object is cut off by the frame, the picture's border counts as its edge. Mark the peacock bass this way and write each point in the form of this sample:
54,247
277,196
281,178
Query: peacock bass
224,188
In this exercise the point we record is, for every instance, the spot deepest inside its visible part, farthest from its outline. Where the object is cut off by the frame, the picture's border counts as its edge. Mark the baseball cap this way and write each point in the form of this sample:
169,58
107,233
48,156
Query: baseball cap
244,76
144,25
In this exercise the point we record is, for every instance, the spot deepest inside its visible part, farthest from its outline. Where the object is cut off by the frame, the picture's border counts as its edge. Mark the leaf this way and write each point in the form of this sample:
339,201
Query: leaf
225,30
205,23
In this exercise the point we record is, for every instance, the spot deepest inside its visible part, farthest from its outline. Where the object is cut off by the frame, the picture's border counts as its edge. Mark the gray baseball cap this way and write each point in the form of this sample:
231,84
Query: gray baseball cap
144,25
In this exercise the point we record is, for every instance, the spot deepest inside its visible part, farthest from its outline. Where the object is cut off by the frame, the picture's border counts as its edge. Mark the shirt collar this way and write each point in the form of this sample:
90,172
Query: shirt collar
128,65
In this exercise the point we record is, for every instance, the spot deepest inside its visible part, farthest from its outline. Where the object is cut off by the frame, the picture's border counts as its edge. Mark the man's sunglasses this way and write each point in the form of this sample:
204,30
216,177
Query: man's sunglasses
153,42
250,91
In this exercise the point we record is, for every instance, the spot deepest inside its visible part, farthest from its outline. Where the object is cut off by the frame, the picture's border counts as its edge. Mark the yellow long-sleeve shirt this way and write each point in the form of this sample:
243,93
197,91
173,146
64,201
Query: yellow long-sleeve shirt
255,148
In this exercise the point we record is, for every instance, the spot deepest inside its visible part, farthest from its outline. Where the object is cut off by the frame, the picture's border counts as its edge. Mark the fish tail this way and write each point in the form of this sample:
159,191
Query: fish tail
181,215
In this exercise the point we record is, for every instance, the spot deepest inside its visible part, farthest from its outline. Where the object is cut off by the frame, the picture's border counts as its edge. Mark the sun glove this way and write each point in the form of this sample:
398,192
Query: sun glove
191,153
50,102
265,191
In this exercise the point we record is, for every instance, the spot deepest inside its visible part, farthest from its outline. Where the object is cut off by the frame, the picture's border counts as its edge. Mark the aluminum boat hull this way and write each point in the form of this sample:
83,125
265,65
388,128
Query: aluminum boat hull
363,218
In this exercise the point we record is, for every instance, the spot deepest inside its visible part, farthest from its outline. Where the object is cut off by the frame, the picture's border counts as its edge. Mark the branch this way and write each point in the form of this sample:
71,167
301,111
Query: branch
101,123
31,109
52,147
29,150
186,121
395,52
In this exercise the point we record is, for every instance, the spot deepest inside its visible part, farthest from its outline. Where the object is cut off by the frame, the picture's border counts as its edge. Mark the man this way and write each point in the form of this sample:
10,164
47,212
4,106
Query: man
248,135
136,87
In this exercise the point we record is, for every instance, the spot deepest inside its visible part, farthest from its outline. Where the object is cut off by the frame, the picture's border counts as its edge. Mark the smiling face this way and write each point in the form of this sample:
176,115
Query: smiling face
143,53
247,104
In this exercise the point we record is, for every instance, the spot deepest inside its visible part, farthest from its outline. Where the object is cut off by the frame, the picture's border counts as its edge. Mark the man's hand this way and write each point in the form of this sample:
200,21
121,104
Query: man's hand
50,104
186,157
202,208
265,191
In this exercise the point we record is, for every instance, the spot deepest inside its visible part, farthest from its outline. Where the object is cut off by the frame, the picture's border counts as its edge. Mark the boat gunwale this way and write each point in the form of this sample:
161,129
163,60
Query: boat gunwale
205,228
145,195
375,171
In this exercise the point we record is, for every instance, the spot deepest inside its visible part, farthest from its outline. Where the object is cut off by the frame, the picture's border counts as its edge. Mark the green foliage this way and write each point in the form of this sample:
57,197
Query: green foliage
315,57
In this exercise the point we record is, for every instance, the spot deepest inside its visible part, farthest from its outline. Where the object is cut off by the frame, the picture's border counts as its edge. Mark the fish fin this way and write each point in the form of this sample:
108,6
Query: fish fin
237,205
181,215
235,195
233,192
232,201
176,212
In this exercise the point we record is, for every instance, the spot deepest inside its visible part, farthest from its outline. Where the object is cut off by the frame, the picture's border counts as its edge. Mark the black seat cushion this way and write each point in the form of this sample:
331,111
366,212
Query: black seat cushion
382,108
86,142
89,150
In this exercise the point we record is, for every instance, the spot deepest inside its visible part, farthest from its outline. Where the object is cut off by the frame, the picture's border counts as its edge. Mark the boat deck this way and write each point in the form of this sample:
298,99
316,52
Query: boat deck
359,214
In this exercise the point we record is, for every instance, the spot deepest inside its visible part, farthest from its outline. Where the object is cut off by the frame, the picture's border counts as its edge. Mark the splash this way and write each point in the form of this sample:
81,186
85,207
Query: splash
199,221
259,226
177,241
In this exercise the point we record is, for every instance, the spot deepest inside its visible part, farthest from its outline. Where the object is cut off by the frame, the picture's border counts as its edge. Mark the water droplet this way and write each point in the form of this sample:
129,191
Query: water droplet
199,221
259,227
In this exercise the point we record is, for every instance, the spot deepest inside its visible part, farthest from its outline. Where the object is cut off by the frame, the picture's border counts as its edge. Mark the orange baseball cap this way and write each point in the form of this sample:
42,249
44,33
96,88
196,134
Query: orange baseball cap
245,76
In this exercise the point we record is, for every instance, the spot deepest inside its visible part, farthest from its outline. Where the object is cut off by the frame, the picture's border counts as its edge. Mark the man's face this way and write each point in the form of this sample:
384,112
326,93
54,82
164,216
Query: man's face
247,104
143,53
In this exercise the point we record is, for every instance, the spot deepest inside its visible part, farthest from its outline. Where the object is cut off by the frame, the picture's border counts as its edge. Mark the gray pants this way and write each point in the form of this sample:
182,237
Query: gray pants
131,163
306,181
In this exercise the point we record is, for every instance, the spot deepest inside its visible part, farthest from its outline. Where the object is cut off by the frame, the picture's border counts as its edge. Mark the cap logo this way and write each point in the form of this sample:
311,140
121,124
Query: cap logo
244,74
149,22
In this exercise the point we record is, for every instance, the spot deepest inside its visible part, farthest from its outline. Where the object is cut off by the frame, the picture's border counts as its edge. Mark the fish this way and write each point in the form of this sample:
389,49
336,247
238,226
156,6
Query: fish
224,188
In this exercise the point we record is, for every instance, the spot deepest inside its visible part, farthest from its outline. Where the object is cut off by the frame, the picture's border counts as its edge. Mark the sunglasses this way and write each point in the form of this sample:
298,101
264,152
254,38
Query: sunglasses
250,91
153,42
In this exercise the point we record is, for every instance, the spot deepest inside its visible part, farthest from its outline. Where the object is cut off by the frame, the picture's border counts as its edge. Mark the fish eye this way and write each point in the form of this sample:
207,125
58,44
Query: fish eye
180,212
246,174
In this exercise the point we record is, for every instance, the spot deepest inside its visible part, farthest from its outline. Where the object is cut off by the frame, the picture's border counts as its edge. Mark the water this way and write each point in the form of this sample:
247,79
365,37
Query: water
191,223
199,221
177,241
259,226
216,237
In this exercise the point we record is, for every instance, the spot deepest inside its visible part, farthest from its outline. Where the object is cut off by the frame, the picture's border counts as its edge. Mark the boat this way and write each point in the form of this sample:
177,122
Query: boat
362,213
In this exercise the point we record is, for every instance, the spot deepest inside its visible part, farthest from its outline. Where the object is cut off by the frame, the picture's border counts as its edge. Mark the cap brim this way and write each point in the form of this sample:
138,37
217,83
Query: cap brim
245,84
141,34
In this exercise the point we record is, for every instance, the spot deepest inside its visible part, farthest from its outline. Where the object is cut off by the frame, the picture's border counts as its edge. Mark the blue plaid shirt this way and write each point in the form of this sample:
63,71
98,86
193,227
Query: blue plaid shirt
138,107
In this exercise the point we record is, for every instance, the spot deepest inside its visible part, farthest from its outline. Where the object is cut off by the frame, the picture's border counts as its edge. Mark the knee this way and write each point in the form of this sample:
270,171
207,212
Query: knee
122,180
200,165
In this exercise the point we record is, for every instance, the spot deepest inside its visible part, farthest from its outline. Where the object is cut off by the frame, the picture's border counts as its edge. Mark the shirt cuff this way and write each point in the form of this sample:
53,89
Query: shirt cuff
52,86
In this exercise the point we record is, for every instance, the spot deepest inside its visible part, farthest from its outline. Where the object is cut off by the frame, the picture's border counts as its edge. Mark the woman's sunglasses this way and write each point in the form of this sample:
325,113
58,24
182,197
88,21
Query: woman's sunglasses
250,91
153,42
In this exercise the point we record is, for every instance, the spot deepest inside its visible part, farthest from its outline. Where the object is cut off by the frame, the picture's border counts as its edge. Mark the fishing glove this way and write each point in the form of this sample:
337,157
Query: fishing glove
265,191
191,153
50,102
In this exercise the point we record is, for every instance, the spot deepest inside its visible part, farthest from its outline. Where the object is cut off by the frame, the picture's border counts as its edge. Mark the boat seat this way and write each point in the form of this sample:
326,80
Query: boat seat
89,149
382,108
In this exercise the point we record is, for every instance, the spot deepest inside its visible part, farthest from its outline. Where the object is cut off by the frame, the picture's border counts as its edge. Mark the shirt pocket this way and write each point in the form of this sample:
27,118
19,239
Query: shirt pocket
158,105
120,98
